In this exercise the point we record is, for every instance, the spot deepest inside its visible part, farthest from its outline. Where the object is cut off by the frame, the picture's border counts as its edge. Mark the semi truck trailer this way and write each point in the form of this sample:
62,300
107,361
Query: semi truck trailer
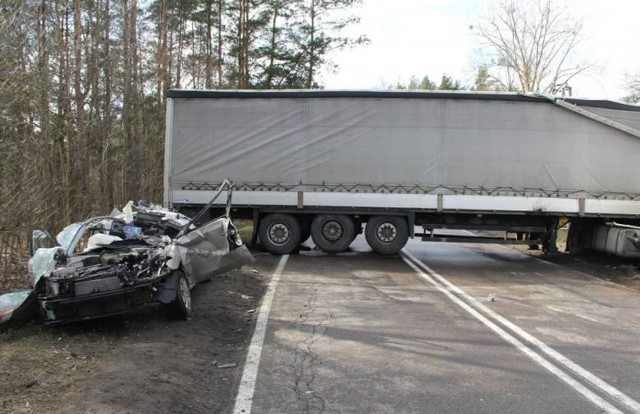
506,167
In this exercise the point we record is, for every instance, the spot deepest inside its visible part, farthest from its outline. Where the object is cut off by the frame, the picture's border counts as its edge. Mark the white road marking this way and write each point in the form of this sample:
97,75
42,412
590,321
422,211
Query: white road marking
585,392
244,399
602,385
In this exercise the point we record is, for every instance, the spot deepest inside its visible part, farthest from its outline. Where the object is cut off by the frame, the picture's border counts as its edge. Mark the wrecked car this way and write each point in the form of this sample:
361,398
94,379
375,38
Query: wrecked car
145,256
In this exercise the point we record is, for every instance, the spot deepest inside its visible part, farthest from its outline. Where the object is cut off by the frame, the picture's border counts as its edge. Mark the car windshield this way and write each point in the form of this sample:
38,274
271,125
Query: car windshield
68,235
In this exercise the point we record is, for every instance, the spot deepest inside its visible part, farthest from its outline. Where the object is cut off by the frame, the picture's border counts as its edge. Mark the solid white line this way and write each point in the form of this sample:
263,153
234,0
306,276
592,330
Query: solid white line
244,399
602,385
589,395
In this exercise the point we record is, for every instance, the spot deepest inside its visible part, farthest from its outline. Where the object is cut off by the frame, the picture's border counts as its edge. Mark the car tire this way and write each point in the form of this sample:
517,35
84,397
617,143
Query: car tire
279,233
181,306
332,233
387,234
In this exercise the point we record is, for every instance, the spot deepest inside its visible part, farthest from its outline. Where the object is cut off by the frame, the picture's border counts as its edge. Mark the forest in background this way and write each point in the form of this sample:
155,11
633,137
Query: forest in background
83,82
83,87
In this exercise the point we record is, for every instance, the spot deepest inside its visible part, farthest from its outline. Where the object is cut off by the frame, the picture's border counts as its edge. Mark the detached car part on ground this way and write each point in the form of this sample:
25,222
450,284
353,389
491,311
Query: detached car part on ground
145,256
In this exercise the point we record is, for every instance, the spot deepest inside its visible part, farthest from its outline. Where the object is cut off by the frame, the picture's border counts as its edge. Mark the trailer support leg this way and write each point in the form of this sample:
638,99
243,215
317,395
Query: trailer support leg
550,238
411,220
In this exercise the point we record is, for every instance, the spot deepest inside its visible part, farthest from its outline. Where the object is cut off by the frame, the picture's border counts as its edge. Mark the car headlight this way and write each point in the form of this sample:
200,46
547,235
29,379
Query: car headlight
53,287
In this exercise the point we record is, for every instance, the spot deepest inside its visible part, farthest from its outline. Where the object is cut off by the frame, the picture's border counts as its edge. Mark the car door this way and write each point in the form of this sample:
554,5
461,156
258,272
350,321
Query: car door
40,239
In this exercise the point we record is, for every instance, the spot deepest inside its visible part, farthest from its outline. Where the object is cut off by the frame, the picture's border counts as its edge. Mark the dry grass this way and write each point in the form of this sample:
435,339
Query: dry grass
245,229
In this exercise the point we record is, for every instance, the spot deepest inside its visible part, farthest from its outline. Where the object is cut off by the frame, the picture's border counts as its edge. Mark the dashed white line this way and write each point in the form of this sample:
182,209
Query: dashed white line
602,385
244,399
563,376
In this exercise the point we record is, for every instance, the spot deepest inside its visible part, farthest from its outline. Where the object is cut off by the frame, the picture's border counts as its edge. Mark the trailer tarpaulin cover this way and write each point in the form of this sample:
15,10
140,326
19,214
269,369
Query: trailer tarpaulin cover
468,143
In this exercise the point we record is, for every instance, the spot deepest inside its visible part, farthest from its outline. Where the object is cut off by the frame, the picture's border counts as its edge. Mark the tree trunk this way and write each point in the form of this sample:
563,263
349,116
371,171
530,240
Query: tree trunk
312,46
81,154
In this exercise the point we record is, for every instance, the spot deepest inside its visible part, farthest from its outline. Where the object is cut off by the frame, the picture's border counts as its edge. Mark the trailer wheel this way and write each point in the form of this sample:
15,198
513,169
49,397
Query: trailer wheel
279,233
387,234
332,233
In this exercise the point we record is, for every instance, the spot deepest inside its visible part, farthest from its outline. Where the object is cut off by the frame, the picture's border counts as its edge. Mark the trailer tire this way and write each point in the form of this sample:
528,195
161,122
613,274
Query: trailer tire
387,234
279,233
332,233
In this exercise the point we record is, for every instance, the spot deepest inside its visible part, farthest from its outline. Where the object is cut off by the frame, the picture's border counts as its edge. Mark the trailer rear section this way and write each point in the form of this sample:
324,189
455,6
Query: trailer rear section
330,165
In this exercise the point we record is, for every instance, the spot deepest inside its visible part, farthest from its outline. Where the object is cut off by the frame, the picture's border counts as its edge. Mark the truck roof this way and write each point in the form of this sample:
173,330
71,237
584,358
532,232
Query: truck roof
393,94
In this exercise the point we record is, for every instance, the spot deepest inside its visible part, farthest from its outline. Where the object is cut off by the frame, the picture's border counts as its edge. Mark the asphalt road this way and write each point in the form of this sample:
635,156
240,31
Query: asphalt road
479,329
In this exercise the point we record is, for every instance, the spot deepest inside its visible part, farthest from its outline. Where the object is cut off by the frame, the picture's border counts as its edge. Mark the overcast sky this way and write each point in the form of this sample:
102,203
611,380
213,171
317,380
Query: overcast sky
432,37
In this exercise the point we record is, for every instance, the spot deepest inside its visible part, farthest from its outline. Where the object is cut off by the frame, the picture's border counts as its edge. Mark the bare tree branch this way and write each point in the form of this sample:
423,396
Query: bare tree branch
530,45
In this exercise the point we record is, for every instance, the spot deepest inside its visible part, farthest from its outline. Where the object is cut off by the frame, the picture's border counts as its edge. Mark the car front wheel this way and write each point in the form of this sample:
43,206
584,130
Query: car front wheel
181,306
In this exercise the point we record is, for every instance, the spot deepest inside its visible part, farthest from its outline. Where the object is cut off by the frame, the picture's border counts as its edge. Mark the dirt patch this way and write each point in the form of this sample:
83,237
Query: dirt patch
614,269
139,363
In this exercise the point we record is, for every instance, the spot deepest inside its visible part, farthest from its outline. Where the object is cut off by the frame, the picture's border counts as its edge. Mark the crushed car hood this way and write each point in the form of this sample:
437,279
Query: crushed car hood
208,251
